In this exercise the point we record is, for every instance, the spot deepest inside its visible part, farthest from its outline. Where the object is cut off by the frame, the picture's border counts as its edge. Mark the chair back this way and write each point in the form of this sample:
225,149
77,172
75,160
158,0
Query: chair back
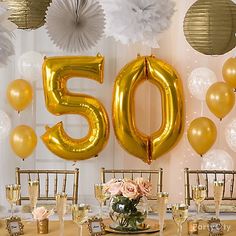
52,178
154,176
206,177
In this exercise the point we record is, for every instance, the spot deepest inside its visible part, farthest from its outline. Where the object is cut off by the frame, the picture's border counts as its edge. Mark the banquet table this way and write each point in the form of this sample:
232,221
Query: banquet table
71,228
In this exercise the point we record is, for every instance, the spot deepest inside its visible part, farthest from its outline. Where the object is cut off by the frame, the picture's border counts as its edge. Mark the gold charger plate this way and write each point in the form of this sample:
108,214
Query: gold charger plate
147,229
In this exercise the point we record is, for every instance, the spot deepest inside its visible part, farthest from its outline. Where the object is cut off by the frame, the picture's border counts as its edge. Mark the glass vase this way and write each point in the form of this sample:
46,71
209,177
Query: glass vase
128,214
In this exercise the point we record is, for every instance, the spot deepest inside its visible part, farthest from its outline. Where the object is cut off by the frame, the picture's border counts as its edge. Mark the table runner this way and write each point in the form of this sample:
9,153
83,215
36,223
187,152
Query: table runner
71,229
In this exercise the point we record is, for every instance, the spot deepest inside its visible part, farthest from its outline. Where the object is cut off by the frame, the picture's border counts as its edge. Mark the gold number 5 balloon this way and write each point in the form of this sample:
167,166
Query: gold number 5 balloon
145,147
59,101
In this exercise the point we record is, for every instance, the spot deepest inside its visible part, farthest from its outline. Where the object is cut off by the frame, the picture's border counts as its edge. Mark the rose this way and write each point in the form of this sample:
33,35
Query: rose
108,185
41,213
144,186
115,188
129,189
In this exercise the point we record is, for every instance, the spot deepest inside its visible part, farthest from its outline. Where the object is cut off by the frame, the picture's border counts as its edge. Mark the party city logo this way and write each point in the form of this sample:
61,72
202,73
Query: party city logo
214,227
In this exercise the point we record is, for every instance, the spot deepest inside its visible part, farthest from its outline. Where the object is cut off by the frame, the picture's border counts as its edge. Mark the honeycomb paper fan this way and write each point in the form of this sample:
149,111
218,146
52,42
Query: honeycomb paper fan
6,49
137,20
6,31
75,25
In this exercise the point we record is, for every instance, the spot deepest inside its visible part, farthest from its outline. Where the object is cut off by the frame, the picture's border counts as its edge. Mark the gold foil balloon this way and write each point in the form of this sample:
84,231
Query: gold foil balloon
23,141
210,26
229,72
220,99
202,134
162,75
59,101
19,94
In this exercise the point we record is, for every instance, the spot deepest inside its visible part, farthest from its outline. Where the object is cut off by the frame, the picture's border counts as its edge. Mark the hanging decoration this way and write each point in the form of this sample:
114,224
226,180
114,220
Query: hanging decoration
220,99
5,124
28,14
199,81
229,72
75,25
148,147
23,141
6,29
30,66
210,26
202,134
19,94
137,21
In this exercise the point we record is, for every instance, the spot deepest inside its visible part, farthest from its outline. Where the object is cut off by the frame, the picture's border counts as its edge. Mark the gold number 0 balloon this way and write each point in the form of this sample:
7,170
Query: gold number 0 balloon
59,101
148,148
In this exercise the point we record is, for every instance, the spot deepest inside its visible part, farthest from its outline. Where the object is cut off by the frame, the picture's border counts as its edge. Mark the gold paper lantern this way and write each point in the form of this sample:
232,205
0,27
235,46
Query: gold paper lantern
210,26
28,14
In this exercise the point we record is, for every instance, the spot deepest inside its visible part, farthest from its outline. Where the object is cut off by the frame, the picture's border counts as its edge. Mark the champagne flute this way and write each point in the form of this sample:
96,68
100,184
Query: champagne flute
13,194
199,195
100,195
80,215
218,194
33,189
180,215
61,200
162,200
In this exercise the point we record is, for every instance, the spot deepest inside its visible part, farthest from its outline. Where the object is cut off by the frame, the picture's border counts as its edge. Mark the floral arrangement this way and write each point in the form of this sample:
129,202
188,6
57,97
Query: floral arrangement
41,213
127,210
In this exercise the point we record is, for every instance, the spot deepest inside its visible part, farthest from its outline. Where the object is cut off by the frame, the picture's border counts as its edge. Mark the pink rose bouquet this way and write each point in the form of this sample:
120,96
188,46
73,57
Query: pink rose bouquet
126,195
131,189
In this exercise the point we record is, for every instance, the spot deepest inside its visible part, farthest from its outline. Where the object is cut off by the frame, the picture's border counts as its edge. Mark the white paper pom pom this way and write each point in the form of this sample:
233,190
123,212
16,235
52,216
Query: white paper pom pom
137,20
75,25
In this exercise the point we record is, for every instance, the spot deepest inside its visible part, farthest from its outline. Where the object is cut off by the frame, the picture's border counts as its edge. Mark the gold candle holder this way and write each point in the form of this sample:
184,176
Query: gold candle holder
42,226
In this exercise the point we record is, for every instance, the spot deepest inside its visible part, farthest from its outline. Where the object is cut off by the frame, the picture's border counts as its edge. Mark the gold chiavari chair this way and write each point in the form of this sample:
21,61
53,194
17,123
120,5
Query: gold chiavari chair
193,177
154,176
63,175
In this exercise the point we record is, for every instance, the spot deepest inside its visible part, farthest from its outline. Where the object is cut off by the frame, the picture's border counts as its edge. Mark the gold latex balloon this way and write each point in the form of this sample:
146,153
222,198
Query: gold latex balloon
229,72
220,99
210,26
202,134
162,75
19,94
59,101
23,141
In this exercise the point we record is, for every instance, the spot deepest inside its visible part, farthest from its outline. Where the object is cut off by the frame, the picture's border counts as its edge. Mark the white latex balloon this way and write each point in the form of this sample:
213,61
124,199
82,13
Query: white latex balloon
30,65
230,134
217,159
5,125
199,81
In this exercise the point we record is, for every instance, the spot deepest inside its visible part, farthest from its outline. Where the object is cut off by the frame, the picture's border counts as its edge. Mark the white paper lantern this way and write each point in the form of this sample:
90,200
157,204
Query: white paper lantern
217,159
230,134
199,81
30,65
5,125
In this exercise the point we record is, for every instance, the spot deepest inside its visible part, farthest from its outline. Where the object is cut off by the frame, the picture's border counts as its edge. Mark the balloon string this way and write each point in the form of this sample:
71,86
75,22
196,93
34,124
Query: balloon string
202,108
219,133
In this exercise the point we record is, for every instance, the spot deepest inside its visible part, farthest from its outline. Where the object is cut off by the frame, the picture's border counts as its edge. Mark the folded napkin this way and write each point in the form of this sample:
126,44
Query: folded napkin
224,208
